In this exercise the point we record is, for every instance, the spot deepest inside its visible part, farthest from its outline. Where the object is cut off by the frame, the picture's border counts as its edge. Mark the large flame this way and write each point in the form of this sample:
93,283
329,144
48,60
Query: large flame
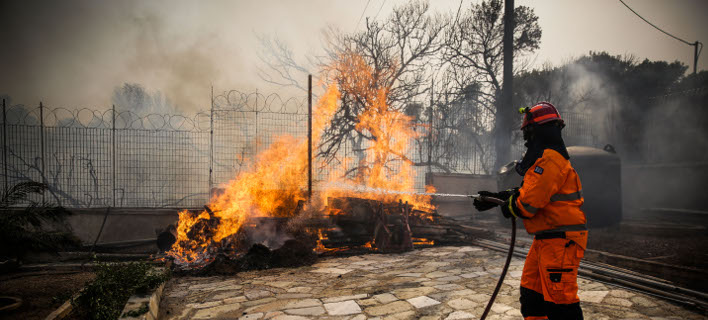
273,184
385,166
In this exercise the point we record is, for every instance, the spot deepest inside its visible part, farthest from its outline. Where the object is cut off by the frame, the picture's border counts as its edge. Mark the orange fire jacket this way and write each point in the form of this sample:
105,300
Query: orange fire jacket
551,195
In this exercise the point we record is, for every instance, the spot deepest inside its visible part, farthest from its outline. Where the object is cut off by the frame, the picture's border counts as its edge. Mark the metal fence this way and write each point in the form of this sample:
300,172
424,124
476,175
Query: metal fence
92,158
246,123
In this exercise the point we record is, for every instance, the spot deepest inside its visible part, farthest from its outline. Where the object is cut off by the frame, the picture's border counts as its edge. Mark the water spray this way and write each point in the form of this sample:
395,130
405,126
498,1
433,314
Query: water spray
365,189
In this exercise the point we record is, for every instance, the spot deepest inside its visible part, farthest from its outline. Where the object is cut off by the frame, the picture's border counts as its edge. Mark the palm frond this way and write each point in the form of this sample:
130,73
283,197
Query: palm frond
23,228
20,191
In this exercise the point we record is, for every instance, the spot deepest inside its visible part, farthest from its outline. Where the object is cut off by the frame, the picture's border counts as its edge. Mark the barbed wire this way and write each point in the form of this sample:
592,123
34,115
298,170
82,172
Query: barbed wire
231,101
235,100
103,119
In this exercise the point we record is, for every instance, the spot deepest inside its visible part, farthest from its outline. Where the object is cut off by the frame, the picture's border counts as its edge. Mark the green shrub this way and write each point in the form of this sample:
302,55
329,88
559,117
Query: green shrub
139,312
106,296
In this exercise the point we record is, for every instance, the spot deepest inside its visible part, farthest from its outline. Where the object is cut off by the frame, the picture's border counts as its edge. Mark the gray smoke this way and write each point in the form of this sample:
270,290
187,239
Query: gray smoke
74,55
659,132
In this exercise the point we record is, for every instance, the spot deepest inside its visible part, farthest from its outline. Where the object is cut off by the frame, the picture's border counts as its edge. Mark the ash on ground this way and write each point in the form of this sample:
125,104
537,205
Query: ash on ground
293,253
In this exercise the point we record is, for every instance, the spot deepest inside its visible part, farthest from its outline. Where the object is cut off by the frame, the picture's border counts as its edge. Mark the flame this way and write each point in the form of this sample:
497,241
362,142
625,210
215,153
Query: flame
422,242
385,165
272,186
320,247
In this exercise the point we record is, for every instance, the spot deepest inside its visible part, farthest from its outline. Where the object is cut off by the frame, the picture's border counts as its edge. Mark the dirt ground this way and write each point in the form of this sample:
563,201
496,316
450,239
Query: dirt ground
688,251
41,292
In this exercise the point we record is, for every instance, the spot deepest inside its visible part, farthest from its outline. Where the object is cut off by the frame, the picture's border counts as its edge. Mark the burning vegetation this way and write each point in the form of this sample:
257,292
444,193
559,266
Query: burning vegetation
266,207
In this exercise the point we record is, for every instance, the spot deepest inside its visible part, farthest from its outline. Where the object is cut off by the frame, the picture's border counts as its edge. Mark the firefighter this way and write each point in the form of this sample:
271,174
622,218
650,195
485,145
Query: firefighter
548,202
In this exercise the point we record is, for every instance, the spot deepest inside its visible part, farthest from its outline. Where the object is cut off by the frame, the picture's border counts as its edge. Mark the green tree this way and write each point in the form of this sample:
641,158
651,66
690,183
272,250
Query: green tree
619,92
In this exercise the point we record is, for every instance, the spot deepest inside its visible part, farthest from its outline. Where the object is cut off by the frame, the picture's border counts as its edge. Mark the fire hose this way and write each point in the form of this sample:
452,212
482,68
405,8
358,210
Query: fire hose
508,257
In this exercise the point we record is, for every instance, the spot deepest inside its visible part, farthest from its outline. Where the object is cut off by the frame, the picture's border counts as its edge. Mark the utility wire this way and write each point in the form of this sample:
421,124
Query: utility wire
381,7
457,15
657,28
362,14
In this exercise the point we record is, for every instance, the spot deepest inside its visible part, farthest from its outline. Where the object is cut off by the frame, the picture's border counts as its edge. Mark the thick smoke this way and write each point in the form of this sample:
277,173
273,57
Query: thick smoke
60,49
75,53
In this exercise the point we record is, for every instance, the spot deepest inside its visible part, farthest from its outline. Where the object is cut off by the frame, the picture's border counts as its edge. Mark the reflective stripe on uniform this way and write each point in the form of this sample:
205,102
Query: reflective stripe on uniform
528,207
573,227
511,207
556,197
567,197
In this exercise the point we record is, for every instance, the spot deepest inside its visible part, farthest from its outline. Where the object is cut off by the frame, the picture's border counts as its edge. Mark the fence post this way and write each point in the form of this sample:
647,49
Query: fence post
41,145
256,134
113,151
430,129
4,142
211,143
309,136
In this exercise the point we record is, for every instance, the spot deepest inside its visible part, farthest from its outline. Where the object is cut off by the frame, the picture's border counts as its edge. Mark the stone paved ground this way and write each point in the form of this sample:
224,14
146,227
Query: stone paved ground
432,283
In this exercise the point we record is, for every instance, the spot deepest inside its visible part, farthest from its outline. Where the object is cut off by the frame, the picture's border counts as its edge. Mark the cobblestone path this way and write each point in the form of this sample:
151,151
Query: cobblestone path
432,283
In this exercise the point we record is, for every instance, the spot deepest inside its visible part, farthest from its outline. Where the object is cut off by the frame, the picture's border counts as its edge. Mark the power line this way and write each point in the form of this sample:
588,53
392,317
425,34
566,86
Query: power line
381,7
457,15
696,51
362,14
657,28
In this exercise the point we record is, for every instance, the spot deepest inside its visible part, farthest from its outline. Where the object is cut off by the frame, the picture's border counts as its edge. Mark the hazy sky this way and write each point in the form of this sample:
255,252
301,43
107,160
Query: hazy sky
74,53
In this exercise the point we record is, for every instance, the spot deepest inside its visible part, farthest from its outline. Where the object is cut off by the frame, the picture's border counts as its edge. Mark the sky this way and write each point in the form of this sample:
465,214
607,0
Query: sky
74,53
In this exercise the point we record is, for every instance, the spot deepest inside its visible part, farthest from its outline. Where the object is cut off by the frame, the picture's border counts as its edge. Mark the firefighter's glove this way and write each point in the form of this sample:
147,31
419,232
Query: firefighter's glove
509,209
484,205
504,195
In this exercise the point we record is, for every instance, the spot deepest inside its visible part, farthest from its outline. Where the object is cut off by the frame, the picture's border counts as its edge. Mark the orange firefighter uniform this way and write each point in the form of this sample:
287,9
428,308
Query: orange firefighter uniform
549,203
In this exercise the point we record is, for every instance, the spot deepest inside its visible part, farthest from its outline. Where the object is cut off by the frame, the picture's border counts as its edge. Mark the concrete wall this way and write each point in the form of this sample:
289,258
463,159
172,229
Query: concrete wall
122,224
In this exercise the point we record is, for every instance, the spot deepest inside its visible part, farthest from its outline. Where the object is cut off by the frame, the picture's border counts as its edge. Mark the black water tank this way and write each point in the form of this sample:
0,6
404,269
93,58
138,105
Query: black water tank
600,175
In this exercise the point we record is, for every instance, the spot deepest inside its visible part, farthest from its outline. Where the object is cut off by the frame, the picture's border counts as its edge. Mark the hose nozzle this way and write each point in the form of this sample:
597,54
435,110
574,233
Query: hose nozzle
487,199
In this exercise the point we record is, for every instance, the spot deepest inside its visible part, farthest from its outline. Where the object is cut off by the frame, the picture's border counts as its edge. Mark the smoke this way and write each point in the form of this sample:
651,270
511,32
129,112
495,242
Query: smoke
182,67
675,131
649,111
577,89
75,54
616,100
268,233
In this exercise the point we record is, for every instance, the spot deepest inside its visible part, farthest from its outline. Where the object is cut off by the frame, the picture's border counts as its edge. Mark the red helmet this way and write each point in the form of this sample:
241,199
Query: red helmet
540,113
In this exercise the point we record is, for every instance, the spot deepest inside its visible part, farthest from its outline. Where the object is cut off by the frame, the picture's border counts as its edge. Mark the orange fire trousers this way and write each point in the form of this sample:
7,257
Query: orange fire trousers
549,286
